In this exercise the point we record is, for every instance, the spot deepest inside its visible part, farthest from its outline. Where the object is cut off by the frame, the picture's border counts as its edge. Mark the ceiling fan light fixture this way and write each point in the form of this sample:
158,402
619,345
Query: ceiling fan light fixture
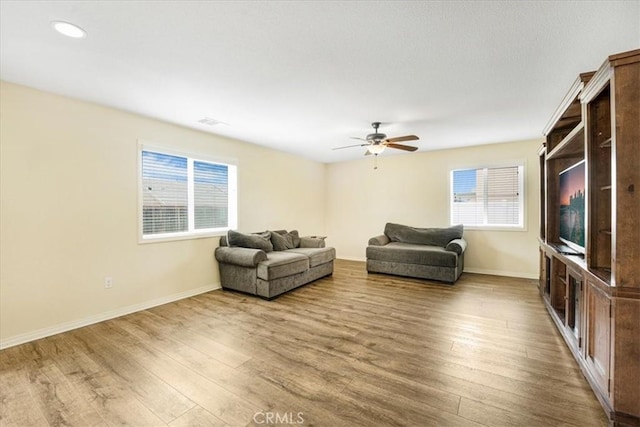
69,30
376,148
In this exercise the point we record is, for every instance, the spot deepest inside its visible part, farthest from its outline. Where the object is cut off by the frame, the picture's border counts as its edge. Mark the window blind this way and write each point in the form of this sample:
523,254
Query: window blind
488,197
211,195
183,195
164,193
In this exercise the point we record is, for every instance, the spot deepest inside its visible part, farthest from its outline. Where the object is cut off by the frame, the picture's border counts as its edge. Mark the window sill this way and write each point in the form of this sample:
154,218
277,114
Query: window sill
160,238
493,228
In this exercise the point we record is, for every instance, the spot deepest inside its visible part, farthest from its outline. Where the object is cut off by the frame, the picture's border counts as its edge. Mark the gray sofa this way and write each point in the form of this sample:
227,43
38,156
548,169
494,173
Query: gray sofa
273,262
425,253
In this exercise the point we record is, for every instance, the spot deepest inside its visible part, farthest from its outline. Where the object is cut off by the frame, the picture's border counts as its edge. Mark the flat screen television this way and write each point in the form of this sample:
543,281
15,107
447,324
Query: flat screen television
572,218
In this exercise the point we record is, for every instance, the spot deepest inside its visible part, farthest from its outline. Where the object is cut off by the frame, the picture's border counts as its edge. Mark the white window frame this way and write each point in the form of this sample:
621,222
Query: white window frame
192,232
522,214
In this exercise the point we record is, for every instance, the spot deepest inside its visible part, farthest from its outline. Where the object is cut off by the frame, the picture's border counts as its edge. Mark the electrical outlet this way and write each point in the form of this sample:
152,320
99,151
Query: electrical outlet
108,282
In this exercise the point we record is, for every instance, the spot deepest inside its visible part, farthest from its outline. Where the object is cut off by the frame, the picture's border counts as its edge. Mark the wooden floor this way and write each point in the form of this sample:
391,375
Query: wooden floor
349,350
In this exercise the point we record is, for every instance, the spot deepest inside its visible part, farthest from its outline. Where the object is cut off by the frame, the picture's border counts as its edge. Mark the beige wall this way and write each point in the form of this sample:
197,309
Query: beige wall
69,211
413,189
68,214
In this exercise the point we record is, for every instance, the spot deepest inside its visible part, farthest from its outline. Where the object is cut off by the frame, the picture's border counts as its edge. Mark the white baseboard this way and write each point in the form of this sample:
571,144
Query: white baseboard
348,258
75,324
518,274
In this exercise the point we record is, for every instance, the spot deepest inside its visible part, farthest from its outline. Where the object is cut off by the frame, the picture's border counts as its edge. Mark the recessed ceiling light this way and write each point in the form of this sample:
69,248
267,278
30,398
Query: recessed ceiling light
68,29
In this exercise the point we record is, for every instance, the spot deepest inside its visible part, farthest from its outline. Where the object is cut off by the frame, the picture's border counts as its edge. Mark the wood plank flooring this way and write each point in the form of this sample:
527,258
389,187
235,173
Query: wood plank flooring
350,350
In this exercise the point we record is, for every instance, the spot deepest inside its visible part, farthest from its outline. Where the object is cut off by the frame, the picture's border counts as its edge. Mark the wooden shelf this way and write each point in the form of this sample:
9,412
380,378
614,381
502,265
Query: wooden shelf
571,145
569,110
603,274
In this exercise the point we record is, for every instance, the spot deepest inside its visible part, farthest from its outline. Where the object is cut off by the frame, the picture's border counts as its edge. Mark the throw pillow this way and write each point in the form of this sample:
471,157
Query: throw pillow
296,238
253,241
423,236
450,233
282,242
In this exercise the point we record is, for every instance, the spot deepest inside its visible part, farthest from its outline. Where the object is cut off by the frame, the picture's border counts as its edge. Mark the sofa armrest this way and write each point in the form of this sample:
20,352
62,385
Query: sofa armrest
245,257
457,245
312,242
379,240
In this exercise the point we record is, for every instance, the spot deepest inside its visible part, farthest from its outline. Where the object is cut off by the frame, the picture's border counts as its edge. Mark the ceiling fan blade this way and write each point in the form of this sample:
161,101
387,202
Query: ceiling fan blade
402,147
355,137
403,138
350,146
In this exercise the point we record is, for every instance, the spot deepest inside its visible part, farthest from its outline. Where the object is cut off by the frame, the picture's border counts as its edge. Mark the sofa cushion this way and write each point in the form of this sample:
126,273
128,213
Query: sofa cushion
409,253
282,264
254,241
422,236
317,256
312,242
282,241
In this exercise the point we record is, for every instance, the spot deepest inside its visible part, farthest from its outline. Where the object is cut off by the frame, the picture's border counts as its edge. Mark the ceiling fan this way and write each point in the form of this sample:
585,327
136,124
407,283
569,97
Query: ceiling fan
376,142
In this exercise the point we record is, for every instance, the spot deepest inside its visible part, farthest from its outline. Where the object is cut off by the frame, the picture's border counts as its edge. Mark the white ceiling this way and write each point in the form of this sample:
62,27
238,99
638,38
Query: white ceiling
305,76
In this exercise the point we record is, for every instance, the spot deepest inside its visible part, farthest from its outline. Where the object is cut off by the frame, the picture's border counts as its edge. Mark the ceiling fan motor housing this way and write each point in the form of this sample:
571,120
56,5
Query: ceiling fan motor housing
376,137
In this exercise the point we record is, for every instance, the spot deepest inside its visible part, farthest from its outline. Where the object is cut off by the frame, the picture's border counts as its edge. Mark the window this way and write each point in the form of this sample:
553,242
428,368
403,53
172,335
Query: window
182,196
490,197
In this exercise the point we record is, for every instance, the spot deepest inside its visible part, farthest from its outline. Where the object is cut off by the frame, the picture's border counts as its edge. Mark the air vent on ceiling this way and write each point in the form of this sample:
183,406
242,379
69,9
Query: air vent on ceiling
210,122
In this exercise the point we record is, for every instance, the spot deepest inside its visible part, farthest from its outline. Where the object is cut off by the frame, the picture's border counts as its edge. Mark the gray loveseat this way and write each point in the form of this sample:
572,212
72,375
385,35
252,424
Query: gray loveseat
425,253
273,262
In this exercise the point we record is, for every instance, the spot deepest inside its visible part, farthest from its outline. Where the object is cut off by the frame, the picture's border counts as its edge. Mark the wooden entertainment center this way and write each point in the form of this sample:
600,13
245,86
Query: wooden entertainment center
594,297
